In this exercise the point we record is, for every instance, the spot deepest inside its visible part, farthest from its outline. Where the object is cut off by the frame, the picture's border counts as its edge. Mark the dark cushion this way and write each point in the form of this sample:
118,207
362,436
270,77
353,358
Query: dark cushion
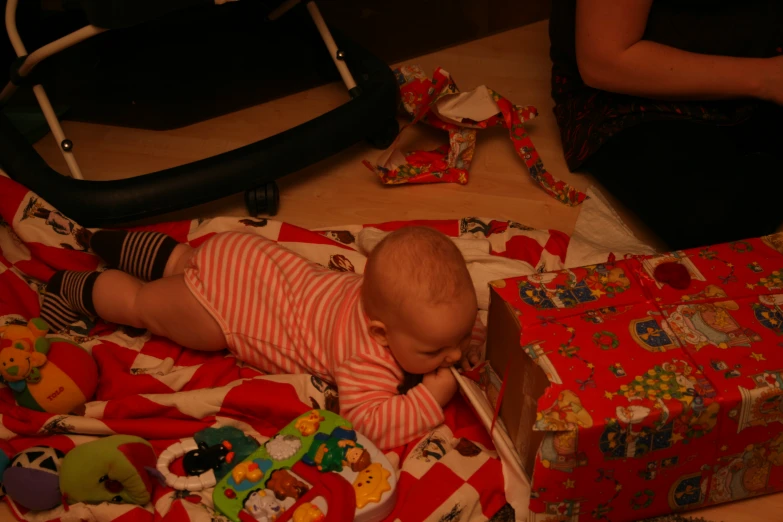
115,14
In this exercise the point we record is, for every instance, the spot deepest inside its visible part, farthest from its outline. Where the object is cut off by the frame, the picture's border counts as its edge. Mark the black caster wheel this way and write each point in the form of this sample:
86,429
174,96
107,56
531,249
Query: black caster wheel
385,135
263,200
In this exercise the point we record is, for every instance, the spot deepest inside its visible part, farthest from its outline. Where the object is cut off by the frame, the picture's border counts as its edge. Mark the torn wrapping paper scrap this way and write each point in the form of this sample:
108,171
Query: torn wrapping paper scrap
438,102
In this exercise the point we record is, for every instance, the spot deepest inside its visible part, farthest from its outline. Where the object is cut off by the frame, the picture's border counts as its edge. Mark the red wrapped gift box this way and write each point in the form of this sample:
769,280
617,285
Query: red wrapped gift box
628,398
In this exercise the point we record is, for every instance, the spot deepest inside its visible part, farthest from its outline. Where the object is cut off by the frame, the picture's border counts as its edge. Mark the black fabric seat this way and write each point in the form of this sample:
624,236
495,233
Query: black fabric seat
118,14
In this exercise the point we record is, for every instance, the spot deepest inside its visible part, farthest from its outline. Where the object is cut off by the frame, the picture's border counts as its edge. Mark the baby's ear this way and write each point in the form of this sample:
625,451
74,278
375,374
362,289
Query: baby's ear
378,332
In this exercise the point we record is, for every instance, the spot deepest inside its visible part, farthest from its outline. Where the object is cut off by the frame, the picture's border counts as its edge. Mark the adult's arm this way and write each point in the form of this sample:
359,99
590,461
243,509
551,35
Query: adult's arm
613,56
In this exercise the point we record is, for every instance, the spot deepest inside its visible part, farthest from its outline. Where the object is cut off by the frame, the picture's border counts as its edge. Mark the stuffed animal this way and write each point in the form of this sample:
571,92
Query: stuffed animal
46,374
117,468
32,335
263,505
32,479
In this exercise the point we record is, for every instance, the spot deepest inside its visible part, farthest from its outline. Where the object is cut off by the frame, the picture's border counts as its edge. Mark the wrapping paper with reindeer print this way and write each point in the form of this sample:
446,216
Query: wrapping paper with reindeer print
152,388
656,399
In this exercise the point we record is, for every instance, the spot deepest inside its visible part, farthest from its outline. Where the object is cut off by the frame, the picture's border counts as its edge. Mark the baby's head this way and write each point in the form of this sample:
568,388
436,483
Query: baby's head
420,299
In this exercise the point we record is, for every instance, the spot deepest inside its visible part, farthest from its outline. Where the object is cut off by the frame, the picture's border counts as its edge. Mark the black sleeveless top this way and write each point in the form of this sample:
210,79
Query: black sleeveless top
588,117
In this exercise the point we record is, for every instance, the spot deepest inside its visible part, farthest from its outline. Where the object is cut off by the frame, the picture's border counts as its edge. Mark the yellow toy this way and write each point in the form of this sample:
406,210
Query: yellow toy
310,424
371,483
45,374
247,470
32,335
308,512
22,352
17,363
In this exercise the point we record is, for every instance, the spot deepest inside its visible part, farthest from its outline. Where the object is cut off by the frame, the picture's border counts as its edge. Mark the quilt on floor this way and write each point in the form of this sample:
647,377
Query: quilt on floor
152,388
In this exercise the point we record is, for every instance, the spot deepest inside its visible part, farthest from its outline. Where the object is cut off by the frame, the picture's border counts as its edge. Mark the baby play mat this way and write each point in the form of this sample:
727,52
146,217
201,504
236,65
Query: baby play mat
151,388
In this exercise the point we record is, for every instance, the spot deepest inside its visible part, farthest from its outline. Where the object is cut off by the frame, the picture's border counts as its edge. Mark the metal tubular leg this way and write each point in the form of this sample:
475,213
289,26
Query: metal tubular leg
6,93
65,145
336,54
57,46
326,36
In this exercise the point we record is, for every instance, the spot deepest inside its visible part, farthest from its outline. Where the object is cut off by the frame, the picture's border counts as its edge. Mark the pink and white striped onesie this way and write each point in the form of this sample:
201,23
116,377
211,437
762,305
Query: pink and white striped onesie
284,314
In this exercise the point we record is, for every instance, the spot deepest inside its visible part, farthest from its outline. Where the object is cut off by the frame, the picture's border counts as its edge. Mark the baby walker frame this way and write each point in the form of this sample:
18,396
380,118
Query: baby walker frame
368,115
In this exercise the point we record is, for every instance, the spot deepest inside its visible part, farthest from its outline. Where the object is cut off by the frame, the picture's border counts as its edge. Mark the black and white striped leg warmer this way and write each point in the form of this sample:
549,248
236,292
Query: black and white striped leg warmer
68,296
140,254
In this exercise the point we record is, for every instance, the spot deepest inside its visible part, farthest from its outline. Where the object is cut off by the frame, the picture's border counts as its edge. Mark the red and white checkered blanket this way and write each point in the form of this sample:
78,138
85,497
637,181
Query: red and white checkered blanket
152,388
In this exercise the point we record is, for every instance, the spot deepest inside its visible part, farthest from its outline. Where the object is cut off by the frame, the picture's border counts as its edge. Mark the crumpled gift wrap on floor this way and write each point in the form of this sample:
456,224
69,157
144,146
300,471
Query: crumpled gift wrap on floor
438,102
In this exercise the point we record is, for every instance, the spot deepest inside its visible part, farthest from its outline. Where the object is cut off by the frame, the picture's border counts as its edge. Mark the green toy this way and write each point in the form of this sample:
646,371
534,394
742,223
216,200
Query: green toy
118,468
316,468
333,452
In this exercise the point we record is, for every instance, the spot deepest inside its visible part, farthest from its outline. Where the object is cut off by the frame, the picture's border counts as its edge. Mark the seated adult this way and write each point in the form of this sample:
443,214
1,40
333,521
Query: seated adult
674,106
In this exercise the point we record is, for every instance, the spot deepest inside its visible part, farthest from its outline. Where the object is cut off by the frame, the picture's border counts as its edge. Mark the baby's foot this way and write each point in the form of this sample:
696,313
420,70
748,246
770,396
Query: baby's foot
68,296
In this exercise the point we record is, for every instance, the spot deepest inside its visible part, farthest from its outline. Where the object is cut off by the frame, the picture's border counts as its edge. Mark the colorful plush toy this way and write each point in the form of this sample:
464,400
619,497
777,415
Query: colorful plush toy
32,335
32,479
118,468
264,506
293,476
6,454
46,374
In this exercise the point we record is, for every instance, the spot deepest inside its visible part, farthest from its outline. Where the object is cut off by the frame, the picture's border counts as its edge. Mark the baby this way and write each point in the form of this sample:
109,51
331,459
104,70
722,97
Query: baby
413,312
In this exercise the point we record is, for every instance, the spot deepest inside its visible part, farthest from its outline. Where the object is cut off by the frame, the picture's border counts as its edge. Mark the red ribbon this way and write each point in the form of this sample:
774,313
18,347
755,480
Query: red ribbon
501,393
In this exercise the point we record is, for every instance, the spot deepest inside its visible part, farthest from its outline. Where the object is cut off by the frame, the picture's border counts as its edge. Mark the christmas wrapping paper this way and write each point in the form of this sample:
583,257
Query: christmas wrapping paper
438,102
660,399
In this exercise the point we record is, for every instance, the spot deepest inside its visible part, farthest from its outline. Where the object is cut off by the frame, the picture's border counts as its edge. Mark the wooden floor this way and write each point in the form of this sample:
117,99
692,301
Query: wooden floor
342,191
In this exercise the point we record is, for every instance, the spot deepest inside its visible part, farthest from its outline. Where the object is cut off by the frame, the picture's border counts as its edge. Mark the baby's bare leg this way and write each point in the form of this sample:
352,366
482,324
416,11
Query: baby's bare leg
141,256
165,307
178,260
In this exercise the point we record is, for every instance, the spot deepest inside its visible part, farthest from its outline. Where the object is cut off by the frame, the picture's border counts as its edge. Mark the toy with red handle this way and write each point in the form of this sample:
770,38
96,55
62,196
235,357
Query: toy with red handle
316,469
335,490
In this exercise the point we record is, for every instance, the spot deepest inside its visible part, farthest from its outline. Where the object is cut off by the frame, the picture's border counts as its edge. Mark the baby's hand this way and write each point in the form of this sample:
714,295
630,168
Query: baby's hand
442,385
471,356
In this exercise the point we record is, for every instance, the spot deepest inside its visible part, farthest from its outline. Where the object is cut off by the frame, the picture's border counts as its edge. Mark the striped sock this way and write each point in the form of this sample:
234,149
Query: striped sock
68,296
140,254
